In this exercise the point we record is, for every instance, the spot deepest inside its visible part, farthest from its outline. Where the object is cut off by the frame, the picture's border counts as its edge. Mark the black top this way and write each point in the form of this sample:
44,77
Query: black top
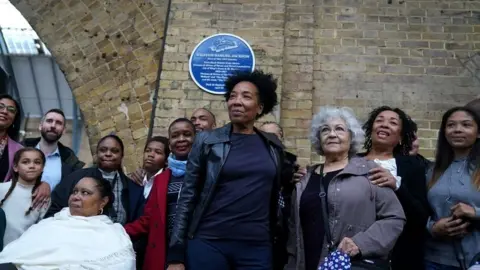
240,207
174,187
311,218
408,252
4,164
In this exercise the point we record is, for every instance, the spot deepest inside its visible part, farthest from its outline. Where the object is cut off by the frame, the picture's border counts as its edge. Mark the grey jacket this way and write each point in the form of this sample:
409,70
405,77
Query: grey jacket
370,215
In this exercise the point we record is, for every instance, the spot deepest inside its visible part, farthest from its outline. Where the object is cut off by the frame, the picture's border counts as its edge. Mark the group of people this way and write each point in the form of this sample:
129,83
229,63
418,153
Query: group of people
210,198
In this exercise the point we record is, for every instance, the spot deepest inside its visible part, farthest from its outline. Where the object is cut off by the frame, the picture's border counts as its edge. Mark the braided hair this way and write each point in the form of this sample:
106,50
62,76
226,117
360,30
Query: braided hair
38,181
407,134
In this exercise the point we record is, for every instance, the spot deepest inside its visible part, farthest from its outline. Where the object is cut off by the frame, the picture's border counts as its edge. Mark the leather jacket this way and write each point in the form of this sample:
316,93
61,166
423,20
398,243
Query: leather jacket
207,157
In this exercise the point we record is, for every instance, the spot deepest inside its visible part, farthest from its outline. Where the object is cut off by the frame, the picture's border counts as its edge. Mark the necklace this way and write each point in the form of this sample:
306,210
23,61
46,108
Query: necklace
3,144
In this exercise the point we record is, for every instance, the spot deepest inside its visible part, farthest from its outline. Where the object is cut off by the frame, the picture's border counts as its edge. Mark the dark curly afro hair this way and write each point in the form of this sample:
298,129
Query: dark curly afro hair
407,134
265,83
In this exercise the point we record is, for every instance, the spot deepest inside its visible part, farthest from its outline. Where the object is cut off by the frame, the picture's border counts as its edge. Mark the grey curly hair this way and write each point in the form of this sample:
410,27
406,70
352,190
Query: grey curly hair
327,113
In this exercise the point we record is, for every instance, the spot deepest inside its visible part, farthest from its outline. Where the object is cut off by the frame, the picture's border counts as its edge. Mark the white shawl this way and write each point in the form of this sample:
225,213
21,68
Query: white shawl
72,242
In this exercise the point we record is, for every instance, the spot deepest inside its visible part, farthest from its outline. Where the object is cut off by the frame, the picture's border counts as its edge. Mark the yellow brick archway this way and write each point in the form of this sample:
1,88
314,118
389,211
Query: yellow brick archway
361,54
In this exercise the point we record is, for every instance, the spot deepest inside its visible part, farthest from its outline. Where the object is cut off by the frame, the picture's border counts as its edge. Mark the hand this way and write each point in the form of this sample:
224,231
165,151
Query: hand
137,176
382,177
299,174
176,266
450,227
348,246
41,196
461,210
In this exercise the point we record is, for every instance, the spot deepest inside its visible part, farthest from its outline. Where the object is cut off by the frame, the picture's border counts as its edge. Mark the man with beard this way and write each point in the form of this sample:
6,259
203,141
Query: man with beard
60,160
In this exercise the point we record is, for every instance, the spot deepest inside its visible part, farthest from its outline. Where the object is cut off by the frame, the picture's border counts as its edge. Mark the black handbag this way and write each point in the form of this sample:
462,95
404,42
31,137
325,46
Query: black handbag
357,263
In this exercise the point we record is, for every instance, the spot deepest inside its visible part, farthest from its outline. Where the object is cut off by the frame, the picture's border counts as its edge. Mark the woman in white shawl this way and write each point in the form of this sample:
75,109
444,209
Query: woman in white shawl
80,236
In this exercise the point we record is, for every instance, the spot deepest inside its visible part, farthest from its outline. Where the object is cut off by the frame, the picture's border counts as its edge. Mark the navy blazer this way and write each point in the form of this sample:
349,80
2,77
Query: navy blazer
132,194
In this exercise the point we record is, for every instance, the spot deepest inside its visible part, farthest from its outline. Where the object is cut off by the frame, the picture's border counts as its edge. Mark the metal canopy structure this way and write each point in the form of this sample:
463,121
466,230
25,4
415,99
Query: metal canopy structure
30,73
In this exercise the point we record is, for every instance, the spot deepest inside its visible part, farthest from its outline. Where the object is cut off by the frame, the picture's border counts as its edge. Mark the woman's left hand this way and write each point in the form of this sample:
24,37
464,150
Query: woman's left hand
382,178
348,246
41,196
461,210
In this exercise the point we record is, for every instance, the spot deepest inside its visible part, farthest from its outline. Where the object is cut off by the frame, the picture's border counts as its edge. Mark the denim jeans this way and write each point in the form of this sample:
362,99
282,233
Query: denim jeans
228,255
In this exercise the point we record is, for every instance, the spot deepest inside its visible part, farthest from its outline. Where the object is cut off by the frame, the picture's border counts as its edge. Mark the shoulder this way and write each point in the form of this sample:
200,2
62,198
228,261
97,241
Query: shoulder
14,144
412,168
403,160
69,157
215,136
4,187
362,162
166,173
75,176
131,185
272,139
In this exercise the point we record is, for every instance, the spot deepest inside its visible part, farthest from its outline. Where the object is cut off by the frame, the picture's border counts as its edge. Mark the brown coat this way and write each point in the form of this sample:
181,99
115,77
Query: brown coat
370,215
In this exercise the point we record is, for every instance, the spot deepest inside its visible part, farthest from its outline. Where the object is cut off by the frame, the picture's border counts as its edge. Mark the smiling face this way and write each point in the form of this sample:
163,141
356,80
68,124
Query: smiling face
461,131
86,199
335,138
52,127
244,104
387,129
154,157
109,155
8,111
181,135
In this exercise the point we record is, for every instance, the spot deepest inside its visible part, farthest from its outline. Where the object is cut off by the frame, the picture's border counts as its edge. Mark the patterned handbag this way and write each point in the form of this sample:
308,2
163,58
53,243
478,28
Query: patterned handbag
337,260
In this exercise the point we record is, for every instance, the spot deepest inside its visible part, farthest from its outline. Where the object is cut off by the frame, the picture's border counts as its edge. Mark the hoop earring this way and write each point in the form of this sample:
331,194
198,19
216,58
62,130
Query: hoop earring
100,212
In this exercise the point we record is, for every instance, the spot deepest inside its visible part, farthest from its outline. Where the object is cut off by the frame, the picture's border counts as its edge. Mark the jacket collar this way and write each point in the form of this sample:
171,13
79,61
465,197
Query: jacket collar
358,166
222,135
65,152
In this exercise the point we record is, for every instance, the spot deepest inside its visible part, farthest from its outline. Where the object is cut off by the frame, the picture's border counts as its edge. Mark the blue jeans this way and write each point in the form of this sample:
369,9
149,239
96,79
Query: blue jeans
436,266
228,255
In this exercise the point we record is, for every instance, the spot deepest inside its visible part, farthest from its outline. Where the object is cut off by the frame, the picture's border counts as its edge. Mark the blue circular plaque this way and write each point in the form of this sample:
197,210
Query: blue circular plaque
218,56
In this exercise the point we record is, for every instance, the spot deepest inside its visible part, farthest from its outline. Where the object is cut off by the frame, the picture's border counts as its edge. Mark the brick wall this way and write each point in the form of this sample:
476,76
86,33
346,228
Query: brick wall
408,54
260,23
417,55
108,51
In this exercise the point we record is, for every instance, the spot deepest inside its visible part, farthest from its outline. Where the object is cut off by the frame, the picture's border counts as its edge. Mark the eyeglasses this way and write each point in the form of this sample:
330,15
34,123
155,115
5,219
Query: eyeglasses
10,109
326,130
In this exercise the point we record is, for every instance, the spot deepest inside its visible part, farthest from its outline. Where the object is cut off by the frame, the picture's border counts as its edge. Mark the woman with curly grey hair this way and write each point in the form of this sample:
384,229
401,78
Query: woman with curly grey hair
328,200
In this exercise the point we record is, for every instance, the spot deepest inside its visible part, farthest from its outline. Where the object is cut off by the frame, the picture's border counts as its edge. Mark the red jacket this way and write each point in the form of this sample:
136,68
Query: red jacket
154,223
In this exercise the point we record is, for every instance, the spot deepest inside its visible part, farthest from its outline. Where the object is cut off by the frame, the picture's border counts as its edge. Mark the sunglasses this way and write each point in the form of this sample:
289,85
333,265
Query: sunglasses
10,109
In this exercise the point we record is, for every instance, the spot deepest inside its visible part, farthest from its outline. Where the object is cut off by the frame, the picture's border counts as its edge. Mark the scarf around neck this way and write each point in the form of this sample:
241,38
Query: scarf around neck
178,167
80,243
109,175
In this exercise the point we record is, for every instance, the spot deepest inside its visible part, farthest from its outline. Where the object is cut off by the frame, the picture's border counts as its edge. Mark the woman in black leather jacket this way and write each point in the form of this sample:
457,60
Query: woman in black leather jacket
228,206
